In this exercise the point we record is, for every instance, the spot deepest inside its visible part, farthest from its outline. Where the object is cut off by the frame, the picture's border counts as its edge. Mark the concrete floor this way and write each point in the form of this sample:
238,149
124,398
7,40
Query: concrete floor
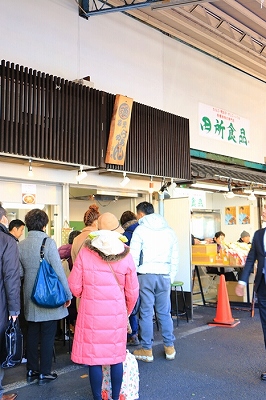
212,363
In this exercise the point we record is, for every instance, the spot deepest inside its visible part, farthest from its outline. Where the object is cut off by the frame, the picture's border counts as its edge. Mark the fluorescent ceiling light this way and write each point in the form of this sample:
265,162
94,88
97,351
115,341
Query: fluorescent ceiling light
209,186
261,192
23,206
117,193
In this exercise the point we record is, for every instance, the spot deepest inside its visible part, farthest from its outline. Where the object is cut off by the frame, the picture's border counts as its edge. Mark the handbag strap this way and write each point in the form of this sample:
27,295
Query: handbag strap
113,272
42,248
81,245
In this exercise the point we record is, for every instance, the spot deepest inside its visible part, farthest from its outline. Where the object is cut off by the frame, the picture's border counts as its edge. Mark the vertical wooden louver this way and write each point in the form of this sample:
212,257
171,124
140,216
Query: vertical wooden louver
47,117
158,144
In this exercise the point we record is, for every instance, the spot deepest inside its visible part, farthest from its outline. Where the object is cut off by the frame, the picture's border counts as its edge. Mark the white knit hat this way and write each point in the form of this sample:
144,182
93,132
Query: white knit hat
108,242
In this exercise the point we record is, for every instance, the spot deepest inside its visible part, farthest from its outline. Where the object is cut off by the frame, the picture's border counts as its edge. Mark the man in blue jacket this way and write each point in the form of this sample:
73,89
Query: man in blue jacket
257,253
129,223
3,220
155,252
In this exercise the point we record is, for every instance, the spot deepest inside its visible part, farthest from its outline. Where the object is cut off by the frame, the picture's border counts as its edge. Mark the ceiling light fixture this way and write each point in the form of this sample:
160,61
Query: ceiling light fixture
125,180
151,185
81,174
30,172
230,194
252,196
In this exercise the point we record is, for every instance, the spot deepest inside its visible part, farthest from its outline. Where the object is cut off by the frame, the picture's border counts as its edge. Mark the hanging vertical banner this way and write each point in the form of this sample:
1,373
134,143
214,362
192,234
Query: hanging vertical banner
119,130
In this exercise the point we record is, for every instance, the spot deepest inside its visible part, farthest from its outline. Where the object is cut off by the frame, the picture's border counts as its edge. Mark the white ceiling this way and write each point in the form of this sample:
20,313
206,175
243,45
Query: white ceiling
233,31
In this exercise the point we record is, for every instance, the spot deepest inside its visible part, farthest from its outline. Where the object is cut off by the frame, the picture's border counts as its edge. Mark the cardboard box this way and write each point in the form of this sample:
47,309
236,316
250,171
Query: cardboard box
204,248
235,261
231,286
204,258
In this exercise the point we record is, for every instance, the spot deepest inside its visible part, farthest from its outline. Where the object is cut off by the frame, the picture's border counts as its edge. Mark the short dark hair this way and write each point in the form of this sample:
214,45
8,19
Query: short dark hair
145,207
127,216
218,234
36,220
72,236
15,223
2,211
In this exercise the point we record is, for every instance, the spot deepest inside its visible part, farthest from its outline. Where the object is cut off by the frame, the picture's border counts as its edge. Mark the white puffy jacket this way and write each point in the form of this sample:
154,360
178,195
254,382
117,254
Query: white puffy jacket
154,246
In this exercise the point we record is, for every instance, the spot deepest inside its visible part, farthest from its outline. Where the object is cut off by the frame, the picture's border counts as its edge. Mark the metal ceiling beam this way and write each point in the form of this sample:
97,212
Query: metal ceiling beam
88,8
179,3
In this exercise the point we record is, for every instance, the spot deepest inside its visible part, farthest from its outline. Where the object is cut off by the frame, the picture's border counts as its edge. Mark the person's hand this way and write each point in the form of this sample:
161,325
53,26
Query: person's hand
240,289
196,241
208,240
67,303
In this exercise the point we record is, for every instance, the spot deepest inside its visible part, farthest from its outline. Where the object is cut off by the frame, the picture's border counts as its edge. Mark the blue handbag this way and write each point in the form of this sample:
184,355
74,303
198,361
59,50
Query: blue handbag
48,291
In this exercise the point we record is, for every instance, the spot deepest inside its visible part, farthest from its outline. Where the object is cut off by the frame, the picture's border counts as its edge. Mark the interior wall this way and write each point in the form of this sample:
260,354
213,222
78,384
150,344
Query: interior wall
152,68
233,232
77,208
48,197
217,201
179,222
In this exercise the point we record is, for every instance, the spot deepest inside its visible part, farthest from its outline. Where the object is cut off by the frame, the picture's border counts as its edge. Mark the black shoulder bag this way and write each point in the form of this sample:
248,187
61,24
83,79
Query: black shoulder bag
14,344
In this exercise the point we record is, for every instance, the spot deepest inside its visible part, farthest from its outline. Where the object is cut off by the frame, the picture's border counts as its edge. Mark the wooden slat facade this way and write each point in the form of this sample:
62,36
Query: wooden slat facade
46,117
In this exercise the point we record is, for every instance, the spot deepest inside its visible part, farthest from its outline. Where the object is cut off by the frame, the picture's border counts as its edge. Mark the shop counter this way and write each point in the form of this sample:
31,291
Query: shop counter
231,283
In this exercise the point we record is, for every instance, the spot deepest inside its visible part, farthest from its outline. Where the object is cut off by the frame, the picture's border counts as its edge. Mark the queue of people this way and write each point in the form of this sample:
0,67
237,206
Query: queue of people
111,263
96,256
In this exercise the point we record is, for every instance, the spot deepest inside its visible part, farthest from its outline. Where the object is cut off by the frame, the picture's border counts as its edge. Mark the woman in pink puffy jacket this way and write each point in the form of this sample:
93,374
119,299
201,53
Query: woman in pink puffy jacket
101,329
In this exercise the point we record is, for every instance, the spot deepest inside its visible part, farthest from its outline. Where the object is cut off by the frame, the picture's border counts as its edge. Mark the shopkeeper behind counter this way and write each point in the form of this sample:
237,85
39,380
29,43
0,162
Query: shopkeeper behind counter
244,237
227,272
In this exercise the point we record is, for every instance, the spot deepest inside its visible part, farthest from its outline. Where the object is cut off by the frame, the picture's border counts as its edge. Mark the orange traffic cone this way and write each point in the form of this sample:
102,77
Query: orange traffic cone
223,313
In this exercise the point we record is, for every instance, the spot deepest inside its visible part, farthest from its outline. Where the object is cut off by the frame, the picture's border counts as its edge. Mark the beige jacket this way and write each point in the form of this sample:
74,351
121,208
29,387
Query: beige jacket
81,238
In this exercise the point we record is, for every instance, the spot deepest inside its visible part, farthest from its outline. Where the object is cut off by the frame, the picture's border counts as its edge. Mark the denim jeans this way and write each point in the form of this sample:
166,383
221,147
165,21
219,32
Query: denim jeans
133,319
155,293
